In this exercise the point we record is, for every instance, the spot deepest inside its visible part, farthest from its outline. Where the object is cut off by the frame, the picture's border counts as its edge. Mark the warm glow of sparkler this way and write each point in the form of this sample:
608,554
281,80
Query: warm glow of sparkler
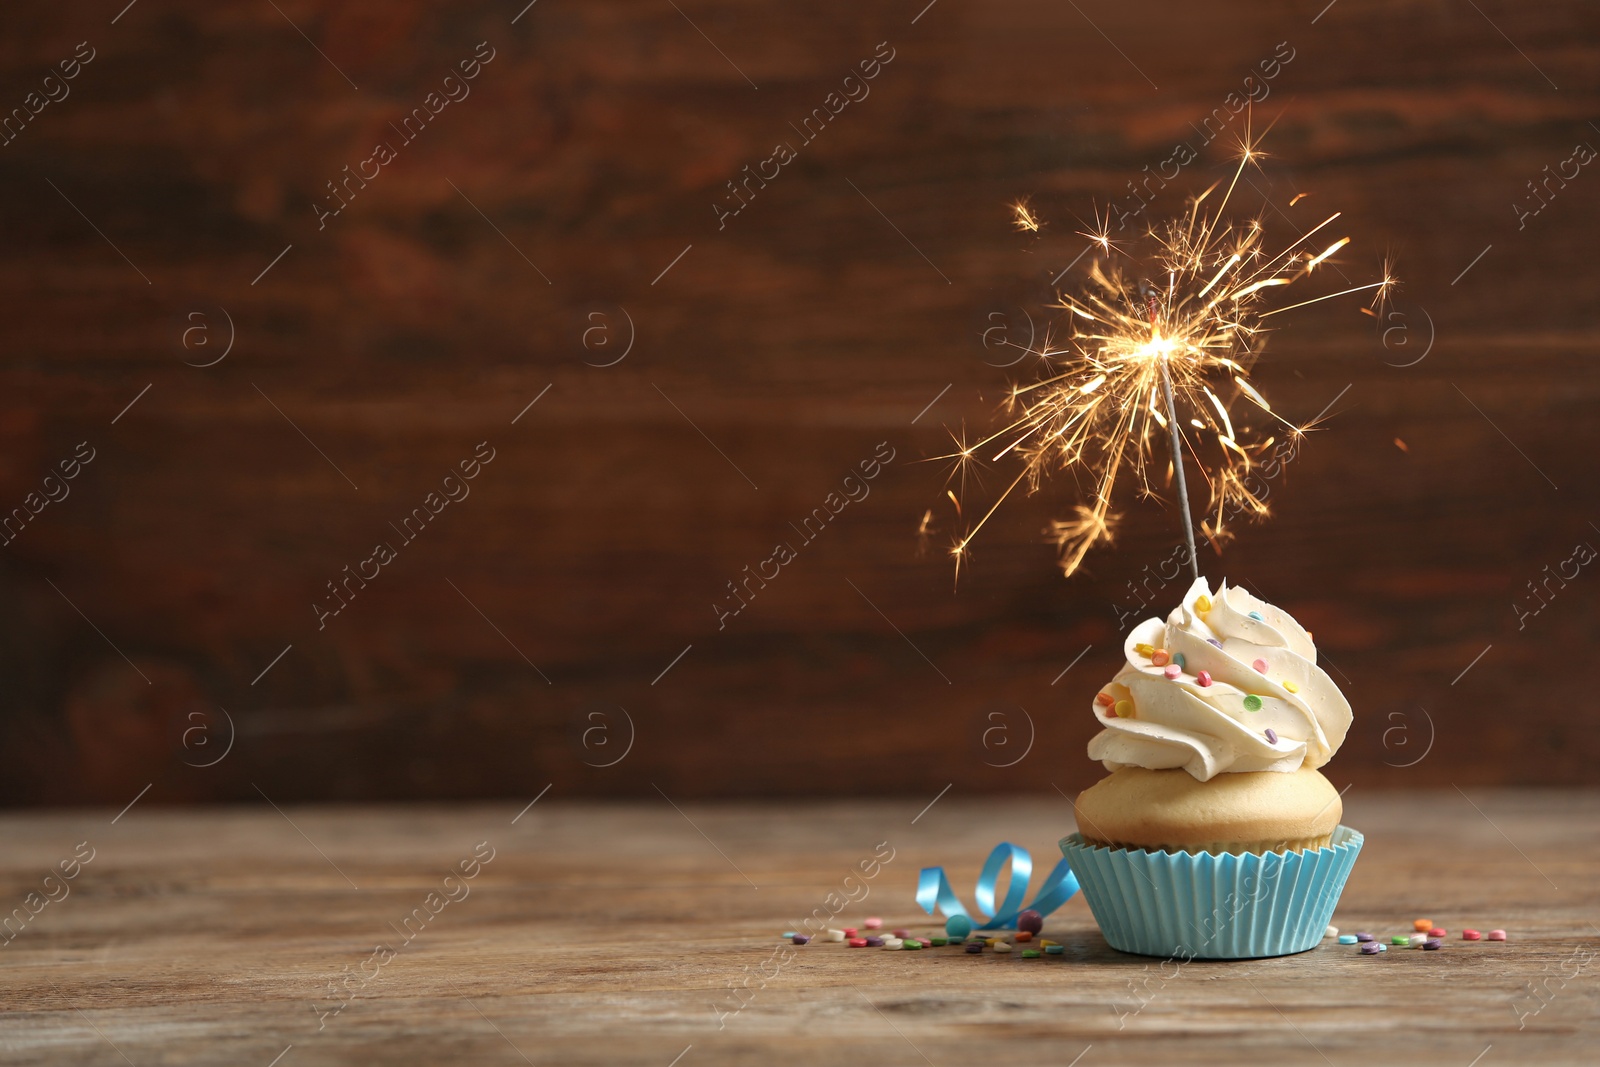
1196,317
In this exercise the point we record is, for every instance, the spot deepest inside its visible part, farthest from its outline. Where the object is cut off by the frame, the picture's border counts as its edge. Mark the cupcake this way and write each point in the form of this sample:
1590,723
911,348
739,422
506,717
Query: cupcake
1215,835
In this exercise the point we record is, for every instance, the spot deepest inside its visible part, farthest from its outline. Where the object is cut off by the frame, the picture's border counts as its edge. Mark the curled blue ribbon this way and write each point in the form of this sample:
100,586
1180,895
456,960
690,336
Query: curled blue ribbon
1058,887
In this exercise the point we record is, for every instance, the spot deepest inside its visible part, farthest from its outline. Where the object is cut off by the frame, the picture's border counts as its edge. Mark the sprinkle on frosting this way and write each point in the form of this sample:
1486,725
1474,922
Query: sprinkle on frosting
1252,702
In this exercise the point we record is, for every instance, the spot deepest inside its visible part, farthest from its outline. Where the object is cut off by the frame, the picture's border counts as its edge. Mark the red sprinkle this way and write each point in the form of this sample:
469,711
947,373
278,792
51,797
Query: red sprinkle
902,934
1105,700
1204,678
1497,935
857,942
850,931
1438,931
1470,935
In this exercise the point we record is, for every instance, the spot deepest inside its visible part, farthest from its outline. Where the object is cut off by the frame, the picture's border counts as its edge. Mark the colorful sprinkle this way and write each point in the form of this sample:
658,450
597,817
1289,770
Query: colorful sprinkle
1438,931
1291,687
1144,649
1204,678
1371,948
1272,739
1363,937
892,942
910,944
939,942
1030,921
1400,939
902,933
850,931
1105,700
1260,665
1256,615
1160,658
874,923
974,947
1417,940
1432,943
1213,641
788,935
1470,935
1422,924
873,942
1172,670
958,926
1497,935
1123,709
1022,935
835,935
1030,953
1054,950
925,942
1202,604
1252,703
1347,939
1002,946
1331,931
857,942
1178,658
801,939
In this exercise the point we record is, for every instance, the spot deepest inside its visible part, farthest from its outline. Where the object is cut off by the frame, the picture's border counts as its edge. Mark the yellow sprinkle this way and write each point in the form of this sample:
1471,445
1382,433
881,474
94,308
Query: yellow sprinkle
1042,941
1124,709
1291,687
1202,604
1144,649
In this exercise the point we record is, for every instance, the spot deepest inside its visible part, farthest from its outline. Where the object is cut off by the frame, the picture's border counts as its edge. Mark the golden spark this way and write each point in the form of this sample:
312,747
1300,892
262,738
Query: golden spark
1159,346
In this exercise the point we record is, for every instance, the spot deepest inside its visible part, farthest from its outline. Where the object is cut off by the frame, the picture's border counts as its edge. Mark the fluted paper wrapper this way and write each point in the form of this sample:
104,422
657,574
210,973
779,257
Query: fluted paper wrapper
1218,906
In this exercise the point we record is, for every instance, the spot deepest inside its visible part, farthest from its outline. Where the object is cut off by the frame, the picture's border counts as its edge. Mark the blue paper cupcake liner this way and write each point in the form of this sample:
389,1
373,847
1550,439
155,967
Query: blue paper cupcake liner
1202,905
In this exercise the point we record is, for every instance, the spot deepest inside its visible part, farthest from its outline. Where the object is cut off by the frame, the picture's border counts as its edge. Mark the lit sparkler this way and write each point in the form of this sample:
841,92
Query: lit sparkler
1156,355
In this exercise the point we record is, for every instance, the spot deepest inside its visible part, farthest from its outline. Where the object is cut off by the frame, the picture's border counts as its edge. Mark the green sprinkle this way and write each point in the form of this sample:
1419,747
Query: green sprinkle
1399,940
1055,950
1252,703
939,942
1030,953
912,943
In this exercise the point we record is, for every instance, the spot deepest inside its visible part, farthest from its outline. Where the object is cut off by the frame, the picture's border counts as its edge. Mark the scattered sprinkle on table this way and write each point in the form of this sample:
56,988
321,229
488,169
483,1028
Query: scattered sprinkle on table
1400,939
974,947
1432,943
1370,948
1497,935
902,933
873,942
787,934
939,942
1055,950
1363,937
1417,940
911,943
1470,935
1002,946
1347,939
1030,953
802,939
857,942
835,935
892,942
1438,931
1423,924
873,923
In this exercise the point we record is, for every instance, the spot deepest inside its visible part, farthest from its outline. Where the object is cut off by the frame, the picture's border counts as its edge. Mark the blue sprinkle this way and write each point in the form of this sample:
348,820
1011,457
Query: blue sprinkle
1177,658
787,934
1256,615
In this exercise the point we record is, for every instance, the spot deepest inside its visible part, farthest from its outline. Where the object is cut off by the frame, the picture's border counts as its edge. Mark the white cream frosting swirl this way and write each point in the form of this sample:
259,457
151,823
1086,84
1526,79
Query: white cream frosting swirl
1208,729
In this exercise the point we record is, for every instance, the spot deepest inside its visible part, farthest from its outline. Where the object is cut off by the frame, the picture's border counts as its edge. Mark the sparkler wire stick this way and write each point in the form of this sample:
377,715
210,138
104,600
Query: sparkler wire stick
1177,467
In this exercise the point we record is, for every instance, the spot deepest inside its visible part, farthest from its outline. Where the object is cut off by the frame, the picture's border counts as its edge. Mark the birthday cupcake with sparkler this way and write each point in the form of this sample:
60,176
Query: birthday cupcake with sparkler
1215,835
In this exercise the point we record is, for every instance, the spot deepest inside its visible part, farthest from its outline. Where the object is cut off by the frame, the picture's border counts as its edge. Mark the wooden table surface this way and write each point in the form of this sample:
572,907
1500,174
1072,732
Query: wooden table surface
601,934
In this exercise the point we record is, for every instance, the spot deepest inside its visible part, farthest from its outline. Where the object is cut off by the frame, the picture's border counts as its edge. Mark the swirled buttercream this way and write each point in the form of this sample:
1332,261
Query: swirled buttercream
1247,694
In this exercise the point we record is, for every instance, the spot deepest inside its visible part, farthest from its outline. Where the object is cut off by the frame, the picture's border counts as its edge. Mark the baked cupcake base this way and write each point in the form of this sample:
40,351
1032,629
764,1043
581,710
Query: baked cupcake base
1171,810
1202,905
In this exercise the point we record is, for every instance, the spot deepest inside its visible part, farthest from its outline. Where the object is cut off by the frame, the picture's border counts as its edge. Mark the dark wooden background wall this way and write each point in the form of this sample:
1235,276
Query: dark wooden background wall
526,635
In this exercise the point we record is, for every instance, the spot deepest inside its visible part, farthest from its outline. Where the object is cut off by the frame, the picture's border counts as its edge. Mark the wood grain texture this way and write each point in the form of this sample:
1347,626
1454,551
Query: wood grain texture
457,285
612,935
